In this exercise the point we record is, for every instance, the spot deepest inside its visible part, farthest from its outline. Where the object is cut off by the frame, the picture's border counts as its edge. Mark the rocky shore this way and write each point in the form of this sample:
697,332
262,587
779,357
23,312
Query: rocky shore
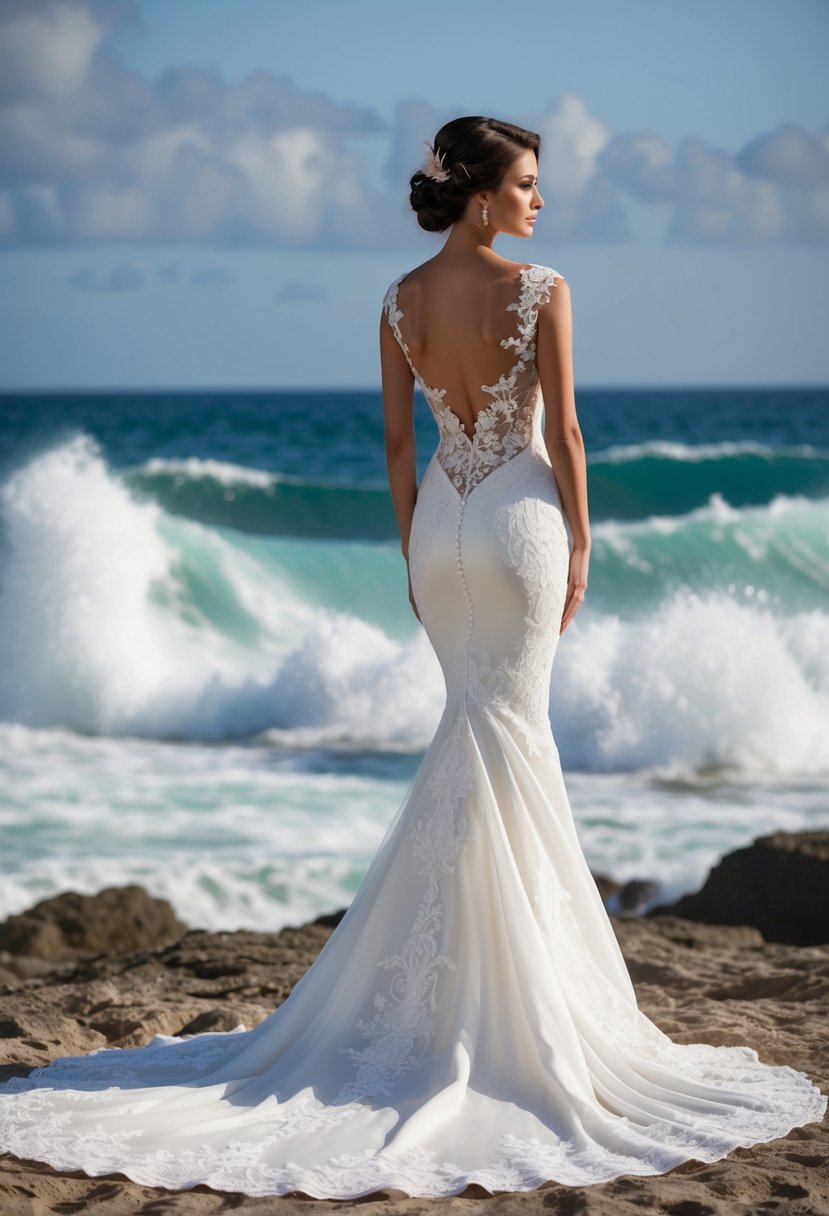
745,960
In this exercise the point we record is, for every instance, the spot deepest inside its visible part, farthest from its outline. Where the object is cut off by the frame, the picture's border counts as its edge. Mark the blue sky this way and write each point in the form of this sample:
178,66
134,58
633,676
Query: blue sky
210,193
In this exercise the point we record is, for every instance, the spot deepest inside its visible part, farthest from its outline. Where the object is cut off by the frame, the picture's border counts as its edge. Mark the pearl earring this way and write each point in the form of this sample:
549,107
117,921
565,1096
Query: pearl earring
485,214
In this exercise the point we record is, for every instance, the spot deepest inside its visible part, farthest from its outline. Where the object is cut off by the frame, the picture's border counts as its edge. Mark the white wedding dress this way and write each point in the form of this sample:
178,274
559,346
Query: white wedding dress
471,1018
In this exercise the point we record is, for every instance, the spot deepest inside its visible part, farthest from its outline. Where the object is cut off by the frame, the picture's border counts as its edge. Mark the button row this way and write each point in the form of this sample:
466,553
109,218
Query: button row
469,620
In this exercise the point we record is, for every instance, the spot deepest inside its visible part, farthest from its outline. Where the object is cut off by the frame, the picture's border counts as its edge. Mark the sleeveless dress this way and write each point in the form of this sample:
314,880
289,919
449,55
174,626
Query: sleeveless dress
471,1018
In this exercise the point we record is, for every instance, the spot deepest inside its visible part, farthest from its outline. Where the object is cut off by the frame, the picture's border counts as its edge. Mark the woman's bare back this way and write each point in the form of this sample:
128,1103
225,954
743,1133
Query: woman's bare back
455,319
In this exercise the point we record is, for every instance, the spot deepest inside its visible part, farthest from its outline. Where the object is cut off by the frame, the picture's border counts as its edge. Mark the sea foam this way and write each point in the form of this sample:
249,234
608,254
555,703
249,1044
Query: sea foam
117,618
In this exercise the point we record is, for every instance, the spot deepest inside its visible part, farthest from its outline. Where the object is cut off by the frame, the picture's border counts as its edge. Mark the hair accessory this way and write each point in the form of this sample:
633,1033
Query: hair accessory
433,164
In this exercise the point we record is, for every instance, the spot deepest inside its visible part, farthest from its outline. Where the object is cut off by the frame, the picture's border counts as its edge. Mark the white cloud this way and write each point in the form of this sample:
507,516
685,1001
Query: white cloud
92,151
788,156
770,191
577,199
46,48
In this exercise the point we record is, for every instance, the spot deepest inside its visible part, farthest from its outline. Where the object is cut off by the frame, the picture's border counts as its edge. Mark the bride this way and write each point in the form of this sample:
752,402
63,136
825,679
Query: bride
471,1019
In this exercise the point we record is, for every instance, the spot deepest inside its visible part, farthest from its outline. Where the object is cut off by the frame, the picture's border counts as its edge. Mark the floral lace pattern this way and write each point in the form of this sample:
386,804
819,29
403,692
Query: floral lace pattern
637,1148
536,547
504,427
403,1021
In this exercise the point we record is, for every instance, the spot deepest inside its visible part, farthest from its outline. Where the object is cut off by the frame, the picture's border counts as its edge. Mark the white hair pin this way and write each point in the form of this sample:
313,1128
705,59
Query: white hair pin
433,164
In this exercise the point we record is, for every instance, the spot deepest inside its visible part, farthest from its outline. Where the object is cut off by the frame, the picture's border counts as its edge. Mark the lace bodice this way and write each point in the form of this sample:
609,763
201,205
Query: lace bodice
504,427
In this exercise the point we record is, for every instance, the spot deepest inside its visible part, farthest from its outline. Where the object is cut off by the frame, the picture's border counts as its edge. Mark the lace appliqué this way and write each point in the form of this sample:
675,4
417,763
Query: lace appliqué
404,1014
536,547
524,1164
504,427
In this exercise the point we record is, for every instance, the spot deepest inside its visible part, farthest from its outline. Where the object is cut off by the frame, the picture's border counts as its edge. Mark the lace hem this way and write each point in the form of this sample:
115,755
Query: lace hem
784,1097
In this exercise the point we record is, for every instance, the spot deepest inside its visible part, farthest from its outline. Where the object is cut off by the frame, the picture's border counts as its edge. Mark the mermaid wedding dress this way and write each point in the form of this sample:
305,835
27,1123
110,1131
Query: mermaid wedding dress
471,1018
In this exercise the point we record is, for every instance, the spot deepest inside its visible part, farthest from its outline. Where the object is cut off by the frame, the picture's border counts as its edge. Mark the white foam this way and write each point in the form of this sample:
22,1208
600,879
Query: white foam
224,472
704,681
99,634
666,449
80,642
716,511
246,836
232,835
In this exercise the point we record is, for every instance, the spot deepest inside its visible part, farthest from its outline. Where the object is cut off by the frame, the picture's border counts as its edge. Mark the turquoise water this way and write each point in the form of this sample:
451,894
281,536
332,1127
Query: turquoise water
211,680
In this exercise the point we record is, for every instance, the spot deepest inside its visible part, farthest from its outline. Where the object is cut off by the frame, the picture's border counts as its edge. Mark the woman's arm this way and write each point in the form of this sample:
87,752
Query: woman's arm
562,433
398,426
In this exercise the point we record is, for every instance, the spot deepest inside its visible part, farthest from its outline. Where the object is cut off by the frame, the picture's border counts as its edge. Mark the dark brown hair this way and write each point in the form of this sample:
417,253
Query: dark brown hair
476,152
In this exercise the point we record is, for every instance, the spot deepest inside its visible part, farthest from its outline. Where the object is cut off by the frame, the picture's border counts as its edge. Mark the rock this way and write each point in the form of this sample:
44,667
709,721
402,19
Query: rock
330,919
70,926
17,967
9,978
608,887
635,896
116,1029
211,1020
696,935
628,898
779,884
33,936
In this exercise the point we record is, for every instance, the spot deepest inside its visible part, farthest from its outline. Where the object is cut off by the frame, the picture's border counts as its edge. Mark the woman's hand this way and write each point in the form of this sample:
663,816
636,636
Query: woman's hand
576,585
411,593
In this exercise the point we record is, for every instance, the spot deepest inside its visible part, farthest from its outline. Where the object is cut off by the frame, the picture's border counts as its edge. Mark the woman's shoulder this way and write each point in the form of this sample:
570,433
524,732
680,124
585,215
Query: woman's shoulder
535,277
533,272
425,269
391,290
539,270
390,295
413,274
549,291
413,277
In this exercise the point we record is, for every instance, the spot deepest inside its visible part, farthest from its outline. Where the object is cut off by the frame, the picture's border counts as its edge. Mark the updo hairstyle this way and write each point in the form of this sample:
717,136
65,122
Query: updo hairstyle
475,152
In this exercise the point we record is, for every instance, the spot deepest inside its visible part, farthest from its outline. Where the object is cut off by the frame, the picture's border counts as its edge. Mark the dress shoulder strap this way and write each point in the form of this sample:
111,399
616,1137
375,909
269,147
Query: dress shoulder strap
390,301
393,315
536,281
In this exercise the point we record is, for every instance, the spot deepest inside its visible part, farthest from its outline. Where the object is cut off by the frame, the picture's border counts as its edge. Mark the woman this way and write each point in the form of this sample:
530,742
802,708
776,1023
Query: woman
471,1018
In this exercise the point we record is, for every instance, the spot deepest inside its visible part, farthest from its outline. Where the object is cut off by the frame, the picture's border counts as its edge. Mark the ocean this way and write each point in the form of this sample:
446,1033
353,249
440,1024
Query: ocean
212,683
